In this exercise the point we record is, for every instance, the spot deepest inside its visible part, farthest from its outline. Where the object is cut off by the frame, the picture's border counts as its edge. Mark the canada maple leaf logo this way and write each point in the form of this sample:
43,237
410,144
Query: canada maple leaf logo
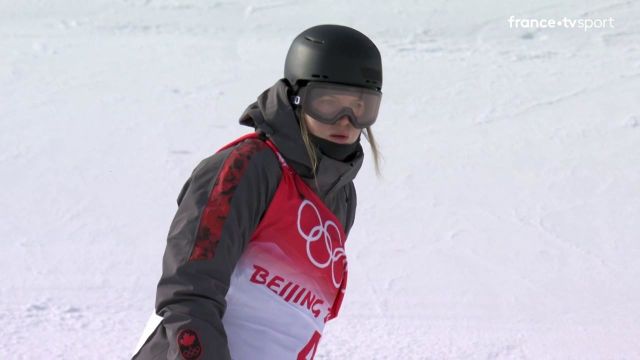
187,339
189,343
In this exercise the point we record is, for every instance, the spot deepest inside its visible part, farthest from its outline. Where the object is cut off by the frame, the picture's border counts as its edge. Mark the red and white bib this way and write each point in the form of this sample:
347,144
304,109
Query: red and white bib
290,280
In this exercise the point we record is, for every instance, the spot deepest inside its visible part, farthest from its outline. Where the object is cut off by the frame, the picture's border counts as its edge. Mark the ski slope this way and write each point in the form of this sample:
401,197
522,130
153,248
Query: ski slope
506,224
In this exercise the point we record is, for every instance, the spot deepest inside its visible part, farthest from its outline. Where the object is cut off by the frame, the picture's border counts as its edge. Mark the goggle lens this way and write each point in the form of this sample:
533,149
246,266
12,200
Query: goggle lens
327,103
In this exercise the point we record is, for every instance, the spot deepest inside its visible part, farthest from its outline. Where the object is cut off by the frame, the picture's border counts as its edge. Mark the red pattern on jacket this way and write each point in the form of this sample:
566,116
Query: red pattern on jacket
217,209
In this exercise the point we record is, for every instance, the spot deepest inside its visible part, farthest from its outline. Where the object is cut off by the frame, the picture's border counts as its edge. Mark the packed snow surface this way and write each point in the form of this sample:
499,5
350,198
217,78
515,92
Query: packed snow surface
506,224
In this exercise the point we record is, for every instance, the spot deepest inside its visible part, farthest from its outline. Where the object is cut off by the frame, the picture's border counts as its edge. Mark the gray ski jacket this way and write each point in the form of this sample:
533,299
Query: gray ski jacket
219,207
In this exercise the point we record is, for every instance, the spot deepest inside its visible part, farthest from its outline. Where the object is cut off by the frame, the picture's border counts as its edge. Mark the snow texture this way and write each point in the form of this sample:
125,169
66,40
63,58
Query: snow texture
506,224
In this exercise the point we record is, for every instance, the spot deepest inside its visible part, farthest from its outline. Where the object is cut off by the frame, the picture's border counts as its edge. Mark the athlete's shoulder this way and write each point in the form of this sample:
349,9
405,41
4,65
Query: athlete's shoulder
253,151
249,162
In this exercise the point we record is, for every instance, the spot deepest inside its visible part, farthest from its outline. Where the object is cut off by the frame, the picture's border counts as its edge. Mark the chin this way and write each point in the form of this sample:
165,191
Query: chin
340,140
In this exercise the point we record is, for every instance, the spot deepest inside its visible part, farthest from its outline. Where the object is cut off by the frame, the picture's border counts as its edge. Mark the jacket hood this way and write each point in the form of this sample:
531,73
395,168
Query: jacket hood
272,114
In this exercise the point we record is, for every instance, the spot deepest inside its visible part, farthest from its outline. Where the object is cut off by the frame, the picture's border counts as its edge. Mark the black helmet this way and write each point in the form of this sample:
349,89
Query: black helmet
334,53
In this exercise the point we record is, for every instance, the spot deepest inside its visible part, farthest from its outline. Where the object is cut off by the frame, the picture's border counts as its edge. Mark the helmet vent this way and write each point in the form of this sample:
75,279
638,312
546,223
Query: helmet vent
317,41
319,76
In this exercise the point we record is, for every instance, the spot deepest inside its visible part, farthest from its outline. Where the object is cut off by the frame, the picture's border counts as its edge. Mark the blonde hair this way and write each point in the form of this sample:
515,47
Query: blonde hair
368,134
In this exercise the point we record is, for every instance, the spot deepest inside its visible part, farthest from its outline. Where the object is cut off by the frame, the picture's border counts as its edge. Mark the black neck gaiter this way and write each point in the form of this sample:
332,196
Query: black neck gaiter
341,152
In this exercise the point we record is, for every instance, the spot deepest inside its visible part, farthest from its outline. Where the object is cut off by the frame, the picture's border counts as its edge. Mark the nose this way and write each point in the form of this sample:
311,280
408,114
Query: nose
344,120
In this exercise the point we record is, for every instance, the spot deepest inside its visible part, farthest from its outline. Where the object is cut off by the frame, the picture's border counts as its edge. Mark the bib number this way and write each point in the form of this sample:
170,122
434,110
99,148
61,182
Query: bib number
309,350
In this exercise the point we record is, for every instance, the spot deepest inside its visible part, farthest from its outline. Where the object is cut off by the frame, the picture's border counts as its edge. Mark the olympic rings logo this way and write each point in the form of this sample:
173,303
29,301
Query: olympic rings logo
320,232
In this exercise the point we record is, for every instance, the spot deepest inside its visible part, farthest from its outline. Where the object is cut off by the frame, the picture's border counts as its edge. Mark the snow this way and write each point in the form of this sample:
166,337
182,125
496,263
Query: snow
506,224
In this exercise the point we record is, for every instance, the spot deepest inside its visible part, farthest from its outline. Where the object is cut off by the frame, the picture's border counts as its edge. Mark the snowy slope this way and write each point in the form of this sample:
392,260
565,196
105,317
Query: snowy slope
506,226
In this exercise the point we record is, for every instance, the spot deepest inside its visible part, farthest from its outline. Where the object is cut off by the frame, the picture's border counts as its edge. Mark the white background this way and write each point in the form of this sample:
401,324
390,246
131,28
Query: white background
506,224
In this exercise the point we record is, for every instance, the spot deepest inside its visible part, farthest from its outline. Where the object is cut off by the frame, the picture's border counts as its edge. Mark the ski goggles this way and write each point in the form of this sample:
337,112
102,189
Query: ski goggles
328,102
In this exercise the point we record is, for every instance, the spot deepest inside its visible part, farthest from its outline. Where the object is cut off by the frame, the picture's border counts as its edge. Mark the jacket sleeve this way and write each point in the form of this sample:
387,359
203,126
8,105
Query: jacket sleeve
219,207
352,204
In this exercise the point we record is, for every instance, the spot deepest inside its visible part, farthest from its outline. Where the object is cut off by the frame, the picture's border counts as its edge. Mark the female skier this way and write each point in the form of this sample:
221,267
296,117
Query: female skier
255,264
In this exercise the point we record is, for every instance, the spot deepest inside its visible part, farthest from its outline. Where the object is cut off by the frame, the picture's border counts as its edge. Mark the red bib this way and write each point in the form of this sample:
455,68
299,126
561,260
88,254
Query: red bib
291,277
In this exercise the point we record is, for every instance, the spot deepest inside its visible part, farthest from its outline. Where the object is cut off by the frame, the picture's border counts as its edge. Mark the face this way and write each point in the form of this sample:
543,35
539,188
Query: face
342,132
